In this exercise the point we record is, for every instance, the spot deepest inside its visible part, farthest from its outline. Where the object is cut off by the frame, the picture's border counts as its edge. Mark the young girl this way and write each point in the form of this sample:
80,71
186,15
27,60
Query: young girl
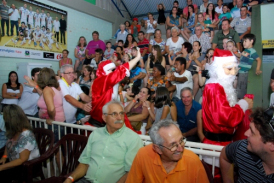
162,108
195,59
150,25
127,96
208,29
92,77
191,22
65,59
231,46
161,17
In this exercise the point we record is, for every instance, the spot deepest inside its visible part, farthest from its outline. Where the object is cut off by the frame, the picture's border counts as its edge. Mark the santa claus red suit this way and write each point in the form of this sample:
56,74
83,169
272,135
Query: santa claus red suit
105,88
221,112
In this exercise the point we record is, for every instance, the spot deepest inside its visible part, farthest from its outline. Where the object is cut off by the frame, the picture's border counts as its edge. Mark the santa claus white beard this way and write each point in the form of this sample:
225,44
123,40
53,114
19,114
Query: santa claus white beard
227,82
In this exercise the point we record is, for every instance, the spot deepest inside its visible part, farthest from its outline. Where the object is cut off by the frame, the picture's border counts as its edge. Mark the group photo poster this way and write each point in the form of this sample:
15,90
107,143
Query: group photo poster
30,29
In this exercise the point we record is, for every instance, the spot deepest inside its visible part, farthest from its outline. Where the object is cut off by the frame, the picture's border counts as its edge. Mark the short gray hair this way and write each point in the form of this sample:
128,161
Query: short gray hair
175,28
199,25
105,107
65,67
186,89
122,25
154,131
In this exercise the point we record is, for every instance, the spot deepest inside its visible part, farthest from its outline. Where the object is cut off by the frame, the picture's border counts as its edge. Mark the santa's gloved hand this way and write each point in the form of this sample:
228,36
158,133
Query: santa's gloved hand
84,119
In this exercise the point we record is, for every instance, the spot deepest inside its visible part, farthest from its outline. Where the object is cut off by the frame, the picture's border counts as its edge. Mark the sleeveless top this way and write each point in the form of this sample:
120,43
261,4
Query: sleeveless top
158,113
138,110
67,62
161,17
174,20
11,89
58,104
152,64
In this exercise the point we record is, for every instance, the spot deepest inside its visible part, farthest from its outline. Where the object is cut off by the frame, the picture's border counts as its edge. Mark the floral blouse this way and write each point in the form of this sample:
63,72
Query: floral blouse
154,85
26,140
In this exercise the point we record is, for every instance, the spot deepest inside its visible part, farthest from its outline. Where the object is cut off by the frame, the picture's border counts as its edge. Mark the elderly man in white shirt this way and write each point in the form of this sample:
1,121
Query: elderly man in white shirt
72,93
14,19
202,38
122,35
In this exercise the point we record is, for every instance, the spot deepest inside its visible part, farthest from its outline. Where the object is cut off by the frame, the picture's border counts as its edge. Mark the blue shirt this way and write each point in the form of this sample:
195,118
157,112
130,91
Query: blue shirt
135,72
187,122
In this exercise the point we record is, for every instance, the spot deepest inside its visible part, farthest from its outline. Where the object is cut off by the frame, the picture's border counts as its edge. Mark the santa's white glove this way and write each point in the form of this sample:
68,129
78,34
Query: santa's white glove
84,119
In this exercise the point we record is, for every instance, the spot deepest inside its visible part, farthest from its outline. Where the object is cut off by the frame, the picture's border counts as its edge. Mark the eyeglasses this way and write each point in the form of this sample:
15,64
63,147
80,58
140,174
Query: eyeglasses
175,147
268,116
69,73
115,114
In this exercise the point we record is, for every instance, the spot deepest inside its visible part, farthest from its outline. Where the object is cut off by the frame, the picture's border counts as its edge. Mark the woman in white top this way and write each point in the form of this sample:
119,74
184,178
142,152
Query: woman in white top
150,25
12,90
174,44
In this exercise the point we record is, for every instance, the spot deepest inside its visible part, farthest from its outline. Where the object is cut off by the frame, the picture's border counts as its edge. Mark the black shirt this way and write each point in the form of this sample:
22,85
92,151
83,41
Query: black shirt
63,25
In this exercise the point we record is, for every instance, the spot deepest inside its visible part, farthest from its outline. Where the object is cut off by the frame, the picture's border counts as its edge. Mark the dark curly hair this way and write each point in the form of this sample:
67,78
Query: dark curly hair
261,119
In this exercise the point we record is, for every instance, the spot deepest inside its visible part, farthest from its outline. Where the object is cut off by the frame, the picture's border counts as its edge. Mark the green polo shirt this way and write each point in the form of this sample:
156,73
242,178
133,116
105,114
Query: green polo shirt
219,36
110,156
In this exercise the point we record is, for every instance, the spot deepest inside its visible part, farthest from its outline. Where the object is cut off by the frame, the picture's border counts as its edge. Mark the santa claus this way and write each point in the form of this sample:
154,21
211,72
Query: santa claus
105,87
221,112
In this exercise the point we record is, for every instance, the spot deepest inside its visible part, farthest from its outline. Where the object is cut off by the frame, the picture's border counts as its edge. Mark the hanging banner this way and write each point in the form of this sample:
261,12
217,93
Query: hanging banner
36,30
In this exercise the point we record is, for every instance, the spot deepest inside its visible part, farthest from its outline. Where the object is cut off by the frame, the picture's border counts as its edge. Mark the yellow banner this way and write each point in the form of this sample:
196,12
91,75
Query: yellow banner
268,43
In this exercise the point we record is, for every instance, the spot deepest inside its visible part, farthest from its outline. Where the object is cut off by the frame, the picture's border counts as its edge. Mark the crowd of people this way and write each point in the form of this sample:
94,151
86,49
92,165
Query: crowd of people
147,85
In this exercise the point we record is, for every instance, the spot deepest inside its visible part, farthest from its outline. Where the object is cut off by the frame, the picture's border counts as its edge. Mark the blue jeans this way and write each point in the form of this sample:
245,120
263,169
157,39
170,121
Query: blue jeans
12,24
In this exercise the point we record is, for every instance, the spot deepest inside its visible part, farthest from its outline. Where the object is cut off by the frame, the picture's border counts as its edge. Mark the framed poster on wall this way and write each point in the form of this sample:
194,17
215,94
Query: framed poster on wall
33,30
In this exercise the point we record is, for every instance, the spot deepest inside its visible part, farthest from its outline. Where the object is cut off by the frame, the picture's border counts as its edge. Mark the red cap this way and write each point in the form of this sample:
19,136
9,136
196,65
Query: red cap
135,19
223,55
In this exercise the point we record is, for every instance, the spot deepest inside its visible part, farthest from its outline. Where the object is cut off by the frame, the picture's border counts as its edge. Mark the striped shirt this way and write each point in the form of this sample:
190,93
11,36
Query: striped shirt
250,167
4,11
143,45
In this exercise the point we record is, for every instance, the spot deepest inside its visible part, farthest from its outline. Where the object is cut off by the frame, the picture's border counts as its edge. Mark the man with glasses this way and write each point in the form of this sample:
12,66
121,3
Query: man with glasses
166,160
202,38
110,150
253,156
72,92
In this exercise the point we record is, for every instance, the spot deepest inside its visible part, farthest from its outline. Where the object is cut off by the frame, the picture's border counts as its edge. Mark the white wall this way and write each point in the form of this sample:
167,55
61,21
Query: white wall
267,12
79,24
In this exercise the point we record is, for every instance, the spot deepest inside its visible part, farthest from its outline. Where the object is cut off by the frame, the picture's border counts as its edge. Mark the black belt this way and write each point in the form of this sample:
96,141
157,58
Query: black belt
96,123
218,137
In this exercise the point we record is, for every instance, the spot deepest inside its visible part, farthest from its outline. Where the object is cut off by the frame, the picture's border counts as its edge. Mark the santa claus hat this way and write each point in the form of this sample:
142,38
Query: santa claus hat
223,56
104,67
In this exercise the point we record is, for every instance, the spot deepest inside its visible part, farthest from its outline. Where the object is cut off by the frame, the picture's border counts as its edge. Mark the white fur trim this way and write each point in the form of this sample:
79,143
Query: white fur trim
127,72
243,104
108,67
224,60
209,160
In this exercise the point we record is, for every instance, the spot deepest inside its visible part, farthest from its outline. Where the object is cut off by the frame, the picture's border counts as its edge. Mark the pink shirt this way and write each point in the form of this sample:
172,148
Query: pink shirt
58,104
93,45
185,10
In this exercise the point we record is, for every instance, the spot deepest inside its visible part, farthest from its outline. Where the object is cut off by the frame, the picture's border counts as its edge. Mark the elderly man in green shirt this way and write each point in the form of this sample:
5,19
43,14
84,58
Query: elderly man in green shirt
226,32
110,150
